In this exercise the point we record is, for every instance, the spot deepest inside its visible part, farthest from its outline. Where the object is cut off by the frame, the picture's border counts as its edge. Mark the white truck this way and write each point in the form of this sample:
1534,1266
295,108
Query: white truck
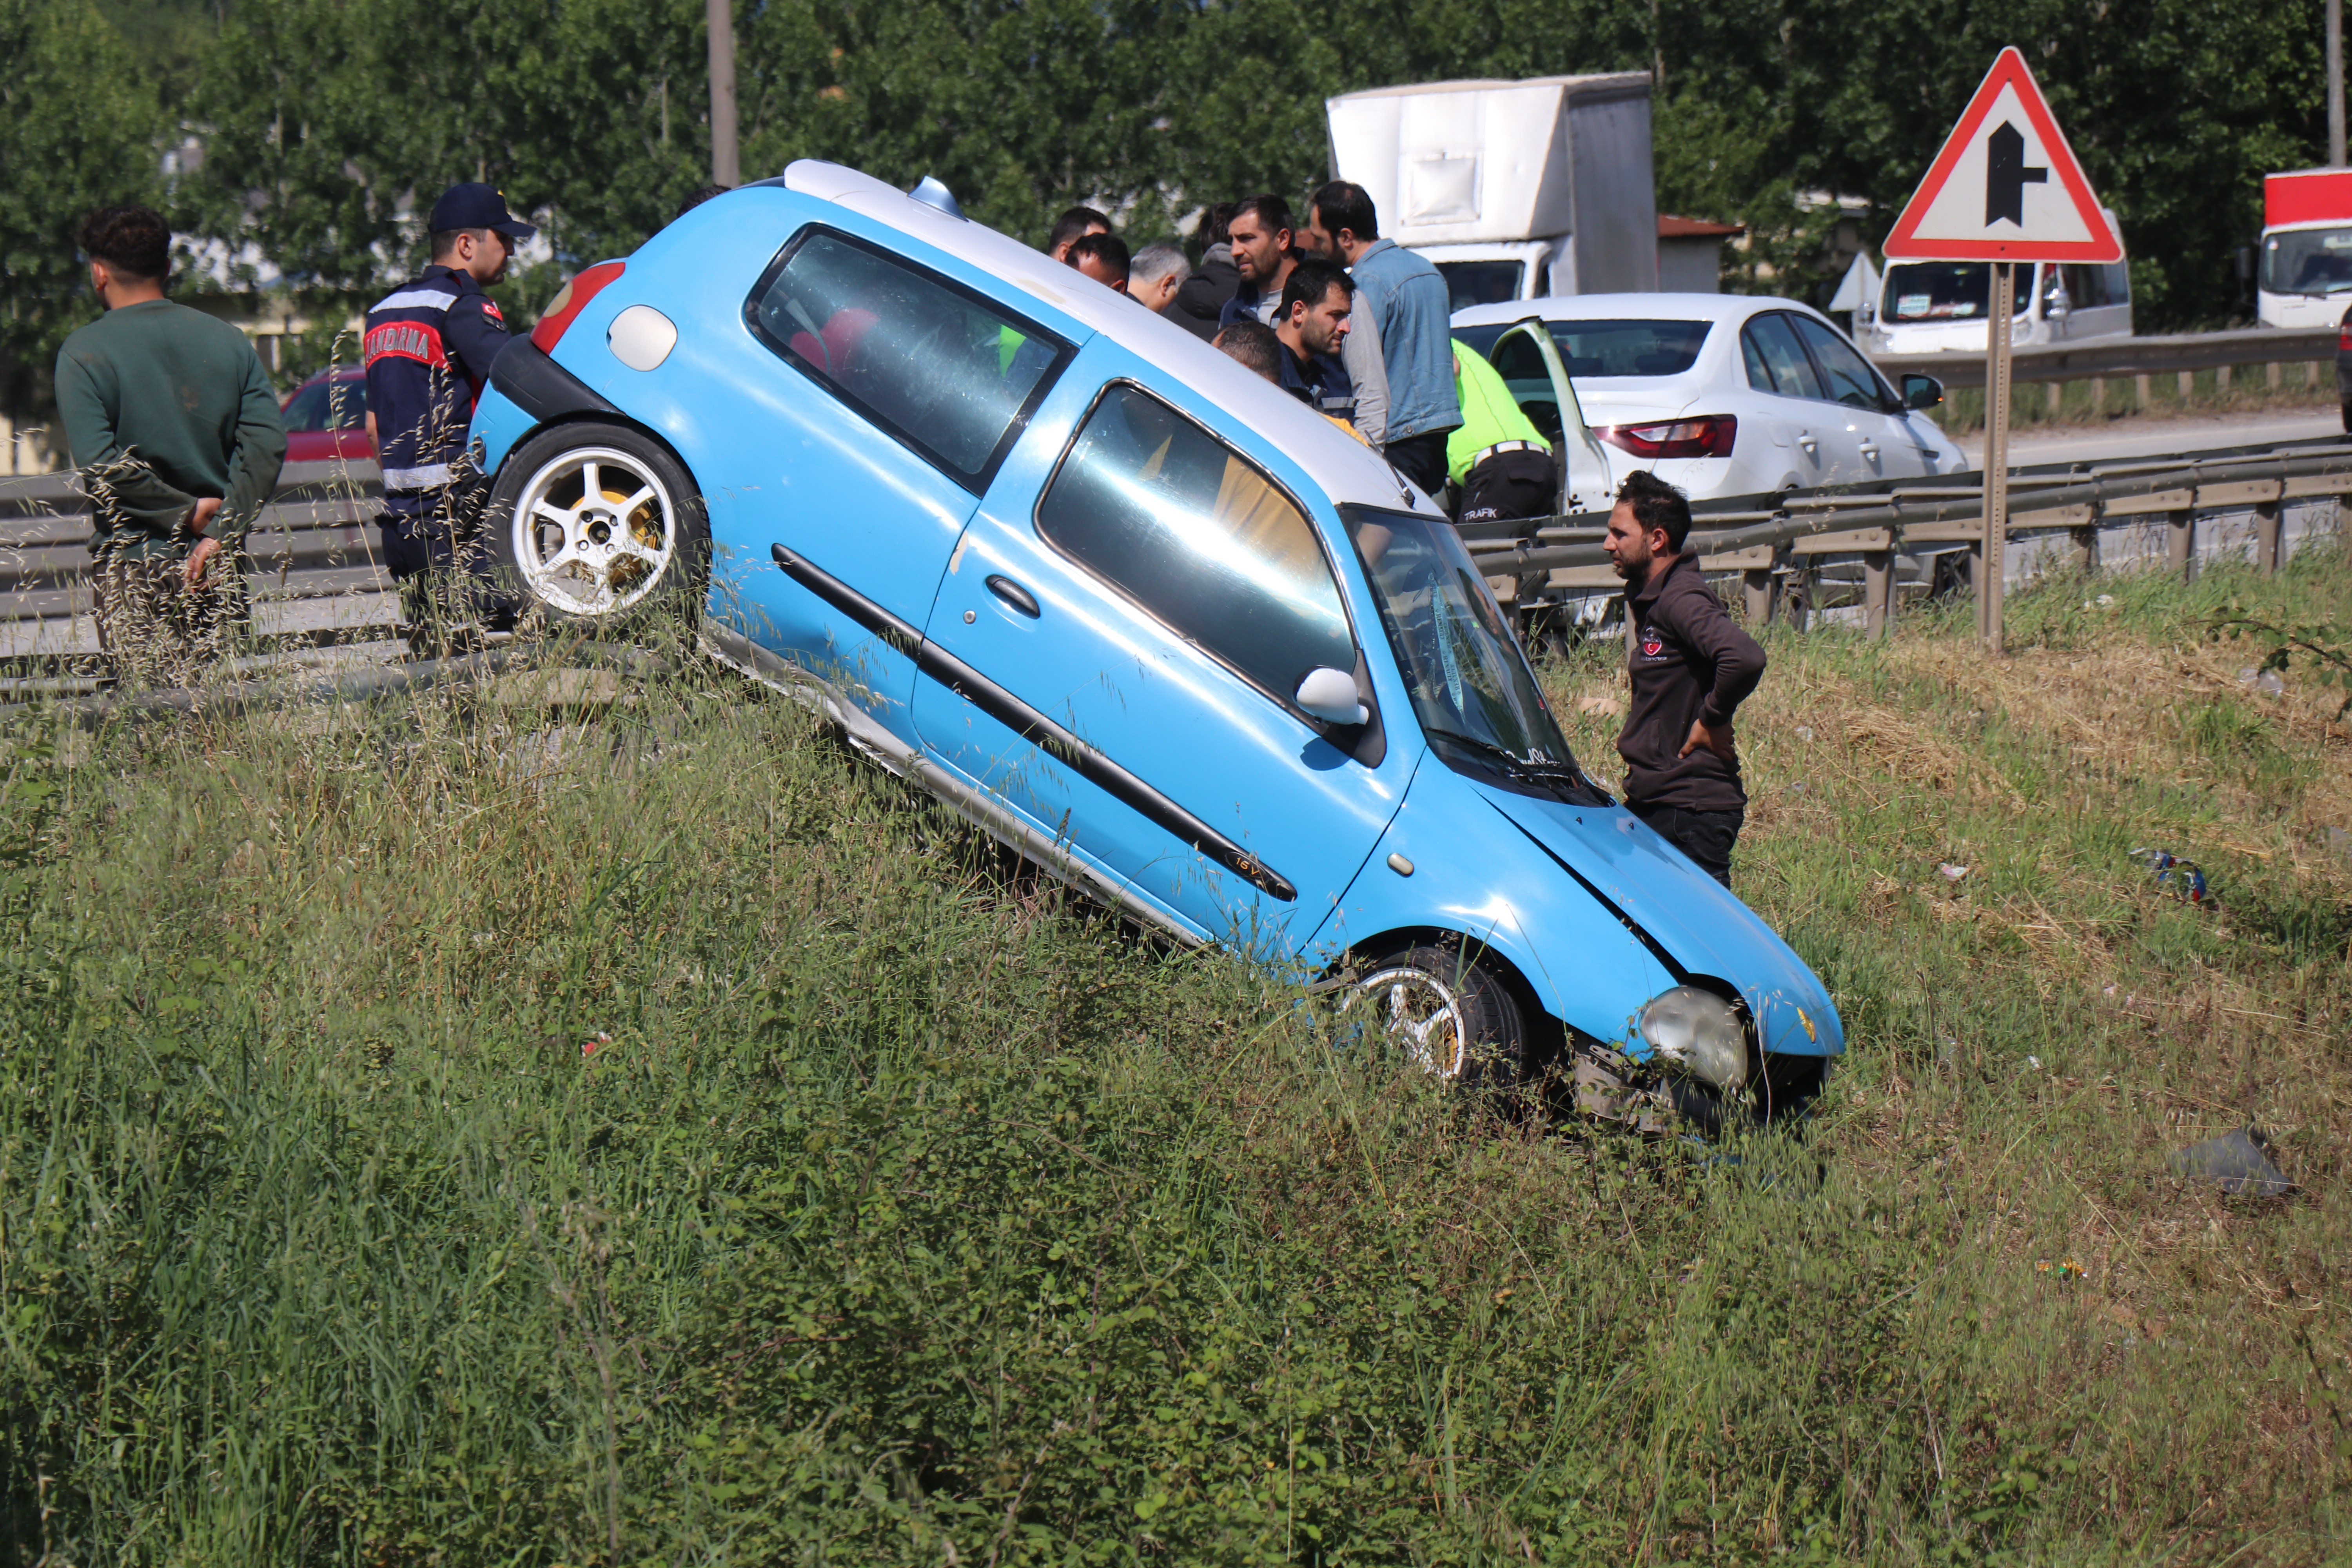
1930,307
1515,189
2304,274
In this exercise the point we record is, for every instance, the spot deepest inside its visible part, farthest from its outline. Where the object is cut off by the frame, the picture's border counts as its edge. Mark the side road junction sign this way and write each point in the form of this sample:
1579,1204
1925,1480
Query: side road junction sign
2006,187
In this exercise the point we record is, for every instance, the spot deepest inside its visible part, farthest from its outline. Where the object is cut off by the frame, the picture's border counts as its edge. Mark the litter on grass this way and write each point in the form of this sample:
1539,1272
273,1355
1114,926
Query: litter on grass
2267,681
1952,873
2069,1270
2182,879
2235,1163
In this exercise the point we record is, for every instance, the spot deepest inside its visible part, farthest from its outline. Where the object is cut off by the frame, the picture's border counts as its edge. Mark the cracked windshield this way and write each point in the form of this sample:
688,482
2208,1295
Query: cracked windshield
1471,688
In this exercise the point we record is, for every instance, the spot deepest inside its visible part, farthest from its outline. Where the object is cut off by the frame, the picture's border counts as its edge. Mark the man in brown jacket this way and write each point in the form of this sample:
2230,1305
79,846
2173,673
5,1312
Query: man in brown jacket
1691,668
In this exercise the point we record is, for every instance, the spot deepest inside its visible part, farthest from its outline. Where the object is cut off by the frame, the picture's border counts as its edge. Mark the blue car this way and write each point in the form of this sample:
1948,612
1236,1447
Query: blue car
1133,611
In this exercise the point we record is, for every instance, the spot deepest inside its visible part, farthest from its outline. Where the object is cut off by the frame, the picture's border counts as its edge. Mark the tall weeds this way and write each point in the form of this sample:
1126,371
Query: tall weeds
574,1121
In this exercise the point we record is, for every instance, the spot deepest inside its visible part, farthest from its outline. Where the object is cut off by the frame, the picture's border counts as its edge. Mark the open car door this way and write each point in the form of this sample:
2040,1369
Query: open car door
1530,364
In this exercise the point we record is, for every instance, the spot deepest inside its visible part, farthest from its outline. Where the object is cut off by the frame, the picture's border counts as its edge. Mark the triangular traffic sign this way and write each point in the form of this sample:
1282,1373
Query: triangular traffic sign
2006,187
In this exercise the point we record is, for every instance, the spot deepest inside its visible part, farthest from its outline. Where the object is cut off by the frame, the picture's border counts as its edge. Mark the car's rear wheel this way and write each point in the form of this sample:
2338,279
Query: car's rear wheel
1449,1013
599,525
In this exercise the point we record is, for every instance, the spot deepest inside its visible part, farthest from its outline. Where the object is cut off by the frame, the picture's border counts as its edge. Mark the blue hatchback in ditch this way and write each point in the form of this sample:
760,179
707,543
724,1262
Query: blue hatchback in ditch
1132,610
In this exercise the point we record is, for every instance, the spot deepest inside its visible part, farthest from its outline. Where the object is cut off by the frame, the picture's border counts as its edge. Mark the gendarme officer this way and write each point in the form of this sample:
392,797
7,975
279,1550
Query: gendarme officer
428,350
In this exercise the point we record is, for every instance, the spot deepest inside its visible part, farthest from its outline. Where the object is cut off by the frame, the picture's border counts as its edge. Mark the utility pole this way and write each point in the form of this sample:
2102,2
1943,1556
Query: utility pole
726,167
2335,84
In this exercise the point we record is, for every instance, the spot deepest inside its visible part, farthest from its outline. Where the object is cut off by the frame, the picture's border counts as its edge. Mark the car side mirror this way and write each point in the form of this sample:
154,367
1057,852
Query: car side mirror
1330,695
1922,392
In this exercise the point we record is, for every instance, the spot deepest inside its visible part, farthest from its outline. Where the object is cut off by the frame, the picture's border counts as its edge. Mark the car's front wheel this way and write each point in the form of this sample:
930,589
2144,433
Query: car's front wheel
1449,1013
598,524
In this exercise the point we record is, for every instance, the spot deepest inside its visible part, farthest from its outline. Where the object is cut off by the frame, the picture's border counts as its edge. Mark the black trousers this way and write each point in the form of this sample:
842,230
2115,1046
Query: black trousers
1420,458
442,568
1706,837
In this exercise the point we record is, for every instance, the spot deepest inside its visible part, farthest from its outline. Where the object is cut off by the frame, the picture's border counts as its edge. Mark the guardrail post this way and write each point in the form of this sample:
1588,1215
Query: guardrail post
2180,554
1877,592
1759,581
2086,549
2269,536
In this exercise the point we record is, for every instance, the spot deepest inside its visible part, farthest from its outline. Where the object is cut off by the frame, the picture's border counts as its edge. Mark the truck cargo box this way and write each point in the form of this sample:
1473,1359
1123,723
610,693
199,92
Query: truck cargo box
1479,162
2307,195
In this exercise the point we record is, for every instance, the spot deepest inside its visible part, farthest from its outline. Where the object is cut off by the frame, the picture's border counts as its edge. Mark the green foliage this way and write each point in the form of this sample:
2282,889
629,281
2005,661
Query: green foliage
324,124
444,1130
78,131
2320,648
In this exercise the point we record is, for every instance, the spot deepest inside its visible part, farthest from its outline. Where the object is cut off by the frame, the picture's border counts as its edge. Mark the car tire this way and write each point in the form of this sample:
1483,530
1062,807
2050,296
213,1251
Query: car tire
599,526
1452,1014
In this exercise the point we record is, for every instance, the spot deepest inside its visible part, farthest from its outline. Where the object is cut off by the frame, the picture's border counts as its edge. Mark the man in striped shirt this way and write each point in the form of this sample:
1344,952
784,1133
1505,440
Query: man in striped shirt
428,350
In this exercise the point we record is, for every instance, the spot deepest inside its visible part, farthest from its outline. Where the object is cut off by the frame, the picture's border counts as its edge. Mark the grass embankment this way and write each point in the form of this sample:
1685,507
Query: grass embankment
911,1214
2300,389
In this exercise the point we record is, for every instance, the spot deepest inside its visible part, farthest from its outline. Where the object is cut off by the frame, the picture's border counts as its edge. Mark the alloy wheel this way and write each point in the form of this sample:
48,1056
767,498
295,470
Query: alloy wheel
1418,1012
594,531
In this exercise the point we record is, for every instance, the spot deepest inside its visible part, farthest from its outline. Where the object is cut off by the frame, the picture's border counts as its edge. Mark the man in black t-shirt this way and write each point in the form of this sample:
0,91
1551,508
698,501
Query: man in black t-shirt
1691,668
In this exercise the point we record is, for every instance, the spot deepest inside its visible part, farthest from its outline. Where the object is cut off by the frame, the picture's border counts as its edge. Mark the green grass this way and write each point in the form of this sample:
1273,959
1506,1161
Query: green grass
905,1211
2248,388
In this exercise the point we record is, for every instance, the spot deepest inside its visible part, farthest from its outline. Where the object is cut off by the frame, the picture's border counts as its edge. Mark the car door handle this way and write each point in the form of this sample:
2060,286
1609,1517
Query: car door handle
1870,451
1807,442
1014,594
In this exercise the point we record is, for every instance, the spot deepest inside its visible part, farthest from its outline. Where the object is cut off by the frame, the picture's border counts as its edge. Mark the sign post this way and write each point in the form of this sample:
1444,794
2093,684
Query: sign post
2006,189
1992,559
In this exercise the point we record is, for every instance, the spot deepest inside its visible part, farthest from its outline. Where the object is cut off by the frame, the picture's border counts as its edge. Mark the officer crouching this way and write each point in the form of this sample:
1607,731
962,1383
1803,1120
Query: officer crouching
428,350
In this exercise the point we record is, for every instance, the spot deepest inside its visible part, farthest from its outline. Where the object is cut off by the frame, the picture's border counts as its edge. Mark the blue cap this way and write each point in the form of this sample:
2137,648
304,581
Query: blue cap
477,206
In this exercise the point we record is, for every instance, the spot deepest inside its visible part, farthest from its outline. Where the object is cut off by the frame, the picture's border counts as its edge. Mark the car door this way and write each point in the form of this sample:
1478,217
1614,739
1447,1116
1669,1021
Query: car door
1793,419
895,395
1530,364
1882,441
1134,613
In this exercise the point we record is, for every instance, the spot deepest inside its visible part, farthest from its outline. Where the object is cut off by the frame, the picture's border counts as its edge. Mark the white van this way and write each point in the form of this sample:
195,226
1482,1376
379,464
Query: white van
1928,307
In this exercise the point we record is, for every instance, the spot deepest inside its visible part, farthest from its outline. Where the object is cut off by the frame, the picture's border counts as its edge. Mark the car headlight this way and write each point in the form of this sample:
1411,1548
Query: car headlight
1698,1032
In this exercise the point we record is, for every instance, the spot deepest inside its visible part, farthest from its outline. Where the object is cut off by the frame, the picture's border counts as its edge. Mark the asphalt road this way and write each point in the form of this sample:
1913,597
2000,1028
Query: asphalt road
2160,437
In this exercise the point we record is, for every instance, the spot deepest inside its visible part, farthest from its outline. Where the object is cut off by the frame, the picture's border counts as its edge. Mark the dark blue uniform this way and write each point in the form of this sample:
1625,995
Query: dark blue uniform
428,350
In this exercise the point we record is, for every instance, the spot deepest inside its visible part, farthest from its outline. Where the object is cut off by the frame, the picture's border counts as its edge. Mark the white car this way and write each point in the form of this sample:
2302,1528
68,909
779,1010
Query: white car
1720,394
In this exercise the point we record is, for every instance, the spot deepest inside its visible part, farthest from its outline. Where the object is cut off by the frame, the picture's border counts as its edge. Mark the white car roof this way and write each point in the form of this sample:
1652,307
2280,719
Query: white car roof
1620,307
1344,467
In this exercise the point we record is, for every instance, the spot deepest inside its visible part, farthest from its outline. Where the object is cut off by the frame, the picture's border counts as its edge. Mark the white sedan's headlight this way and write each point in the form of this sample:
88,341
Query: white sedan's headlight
1698,1031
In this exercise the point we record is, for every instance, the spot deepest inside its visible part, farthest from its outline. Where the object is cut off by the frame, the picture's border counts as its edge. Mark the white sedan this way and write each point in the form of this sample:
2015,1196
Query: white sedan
1721,395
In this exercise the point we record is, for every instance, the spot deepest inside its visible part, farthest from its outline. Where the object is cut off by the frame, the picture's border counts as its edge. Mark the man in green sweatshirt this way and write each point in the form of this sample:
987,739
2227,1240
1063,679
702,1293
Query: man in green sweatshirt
175,432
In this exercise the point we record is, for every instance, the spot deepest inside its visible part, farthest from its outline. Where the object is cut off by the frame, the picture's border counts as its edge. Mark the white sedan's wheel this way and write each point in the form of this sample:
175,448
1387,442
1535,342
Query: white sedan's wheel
594,531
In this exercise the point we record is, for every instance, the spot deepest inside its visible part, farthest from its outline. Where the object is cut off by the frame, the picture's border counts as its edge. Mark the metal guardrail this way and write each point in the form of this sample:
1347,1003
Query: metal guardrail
2123,357
315,540
1762,537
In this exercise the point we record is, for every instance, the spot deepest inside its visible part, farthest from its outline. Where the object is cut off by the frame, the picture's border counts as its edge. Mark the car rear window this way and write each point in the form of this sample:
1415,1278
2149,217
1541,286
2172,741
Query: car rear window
1629,348
943,370
1187,528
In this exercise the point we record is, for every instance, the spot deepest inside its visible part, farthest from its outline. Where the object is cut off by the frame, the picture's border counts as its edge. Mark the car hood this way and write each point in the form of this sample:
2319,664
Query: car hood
1691,923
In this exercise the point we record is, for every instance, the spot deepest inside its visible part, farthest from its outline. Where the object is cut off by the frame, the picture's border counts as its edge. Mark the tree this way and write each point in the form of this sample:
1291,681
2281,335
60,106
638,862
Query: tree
77,130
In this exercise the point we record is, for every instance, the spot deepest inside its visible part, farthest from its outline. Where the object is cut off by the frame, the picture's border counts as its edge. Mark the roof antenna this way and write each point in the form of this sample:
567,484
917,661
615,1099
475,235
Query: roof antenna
931,193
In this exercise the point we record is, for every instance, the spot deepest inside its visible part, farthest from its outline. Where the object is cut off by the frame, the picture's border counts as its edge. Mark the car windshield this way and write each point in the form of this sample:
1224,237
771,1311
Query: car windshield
1943,291
1481,282
1471,690
2309,261
338,403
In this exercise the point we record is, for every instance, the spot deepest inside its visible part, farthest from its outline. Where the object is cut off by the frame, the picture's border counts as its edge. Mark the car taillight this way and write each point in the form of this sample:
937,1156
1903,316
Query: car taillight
2343,340
1708,436
569,301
